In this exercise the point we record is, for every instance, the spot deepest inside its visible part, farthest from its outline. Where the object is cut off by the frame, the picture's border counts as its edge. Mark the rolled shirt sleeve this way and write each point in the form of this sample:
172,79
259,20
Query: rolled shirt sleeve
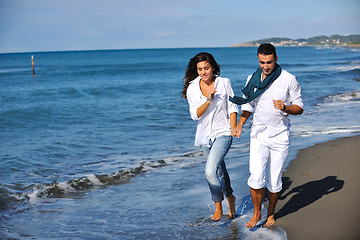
232,107
195,101
295,93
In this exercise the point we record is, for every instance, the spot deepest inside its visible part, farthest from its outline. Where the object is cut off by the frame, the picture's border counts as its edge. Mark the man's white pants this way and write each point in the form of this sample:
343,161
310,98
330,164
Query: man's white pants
267,158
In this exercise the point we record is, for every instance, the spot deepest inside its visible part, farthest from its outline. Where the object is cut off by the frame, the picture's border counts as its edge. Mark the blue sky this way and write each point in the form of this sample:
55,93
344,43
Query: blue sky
45,25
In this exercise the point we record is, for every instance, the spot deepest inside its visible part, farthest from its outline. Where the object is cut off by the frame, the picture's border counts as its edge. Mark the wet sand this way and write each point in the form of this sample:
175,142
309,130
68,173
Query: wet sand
320,195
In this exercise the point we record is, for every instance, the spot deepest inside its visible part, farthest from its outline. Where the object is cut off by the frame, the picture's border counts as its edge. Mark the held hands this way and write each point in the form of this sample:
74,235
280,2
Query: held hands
236,131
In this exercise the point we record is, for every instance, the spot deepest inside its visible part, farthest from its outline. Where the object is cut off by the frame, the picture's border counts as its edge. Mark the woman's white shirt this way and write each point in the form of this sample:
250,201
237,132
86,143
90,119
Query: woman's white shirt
215,121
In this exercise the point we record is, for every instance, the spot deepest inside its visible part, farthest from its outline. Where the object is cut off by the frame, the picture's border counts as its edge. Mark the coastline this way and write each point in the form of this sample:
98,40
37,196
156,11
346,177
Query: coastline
310,45
319,198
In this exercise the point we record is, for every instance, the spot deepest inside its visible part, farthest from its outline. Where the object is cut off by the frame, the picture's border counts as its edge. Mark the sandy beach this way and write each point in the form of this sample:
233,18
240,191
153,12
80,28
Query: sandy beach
320,194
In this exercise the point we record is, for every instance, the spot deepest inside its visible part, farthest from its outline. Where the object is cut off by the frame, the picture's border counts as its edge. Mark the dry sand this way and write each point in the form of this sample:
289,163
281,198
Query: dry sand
321,198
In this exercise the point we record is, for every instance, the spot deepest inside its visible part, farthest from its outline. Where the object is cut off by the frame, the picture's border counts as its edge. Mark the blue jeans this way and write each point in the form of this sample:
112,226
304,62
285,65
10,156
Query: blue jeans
215,170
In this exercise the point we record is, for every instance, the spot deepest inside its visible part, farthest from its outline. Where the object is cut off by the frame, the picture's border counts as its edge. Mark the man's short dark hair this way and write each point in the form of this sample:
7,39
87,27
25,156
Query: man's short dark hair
266,49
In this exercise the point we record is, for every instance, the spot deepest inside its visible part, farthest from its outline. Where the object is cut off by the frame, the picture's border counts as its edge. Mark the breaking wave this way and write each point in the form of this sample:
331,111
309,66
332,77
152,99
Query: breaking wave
343,97
91,181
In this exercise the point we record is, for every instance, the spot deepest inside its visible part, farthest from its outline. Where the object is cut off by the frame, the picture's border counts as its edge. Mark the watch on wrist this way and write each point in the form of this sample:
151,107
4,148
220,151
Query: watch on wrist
284,108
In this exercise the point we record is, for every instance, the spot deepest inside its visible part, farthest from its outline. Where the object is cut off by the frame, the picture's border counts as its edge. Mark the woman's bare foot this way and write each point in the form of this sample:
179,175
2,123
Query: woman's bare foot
232,209
252,223
218,212
270,221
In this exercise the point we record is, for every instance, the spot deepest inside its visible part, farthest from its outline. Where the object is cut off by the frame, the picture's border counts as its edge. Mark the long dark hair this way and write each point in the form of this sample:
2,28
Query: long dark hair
191,70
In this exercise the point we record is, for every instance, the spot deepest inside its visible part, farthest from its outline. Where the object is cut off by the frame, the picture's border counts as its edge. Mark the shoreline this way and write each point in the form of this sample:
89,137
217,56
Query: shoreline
319,197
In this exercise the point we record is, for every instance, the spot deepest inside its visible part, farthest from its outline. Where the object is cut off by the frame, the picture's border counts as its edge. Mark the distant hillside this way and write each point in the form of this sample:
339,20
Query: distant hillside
334,40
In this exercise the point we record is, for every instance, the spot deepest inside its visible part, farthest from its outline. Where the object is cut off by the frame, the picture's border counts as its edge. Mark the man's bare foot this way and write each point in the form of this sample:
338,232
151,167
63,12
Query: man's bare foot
218,212
252,223
270,221
232,209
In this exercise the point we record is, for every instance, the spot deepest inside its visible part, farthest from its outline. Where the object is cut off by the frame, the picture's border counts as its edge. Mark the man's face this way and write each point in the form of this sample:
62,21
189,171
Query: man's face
267,63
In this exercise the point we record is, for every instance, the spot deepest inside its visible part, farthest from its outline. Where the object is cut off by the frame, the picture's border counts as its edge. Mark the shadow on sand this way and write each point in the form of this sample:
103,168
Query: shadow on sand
307,193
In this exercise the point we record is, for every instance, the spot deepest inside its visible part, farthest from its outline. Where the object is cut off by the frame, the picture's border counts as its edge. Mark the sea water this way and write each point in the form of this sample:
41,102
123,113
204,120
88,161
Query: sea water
99,144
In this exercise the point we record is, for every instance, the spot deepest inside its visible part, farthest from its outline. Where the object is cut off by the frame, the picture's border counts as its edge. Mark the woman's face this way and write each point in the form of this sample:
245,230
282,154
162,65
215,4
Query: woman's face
205,71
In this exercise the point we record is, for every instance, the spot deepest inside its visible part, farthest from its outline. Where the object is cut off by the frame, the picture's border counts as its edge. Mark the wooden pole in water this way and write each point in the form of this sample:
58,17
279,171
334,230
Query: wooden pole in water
32,62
